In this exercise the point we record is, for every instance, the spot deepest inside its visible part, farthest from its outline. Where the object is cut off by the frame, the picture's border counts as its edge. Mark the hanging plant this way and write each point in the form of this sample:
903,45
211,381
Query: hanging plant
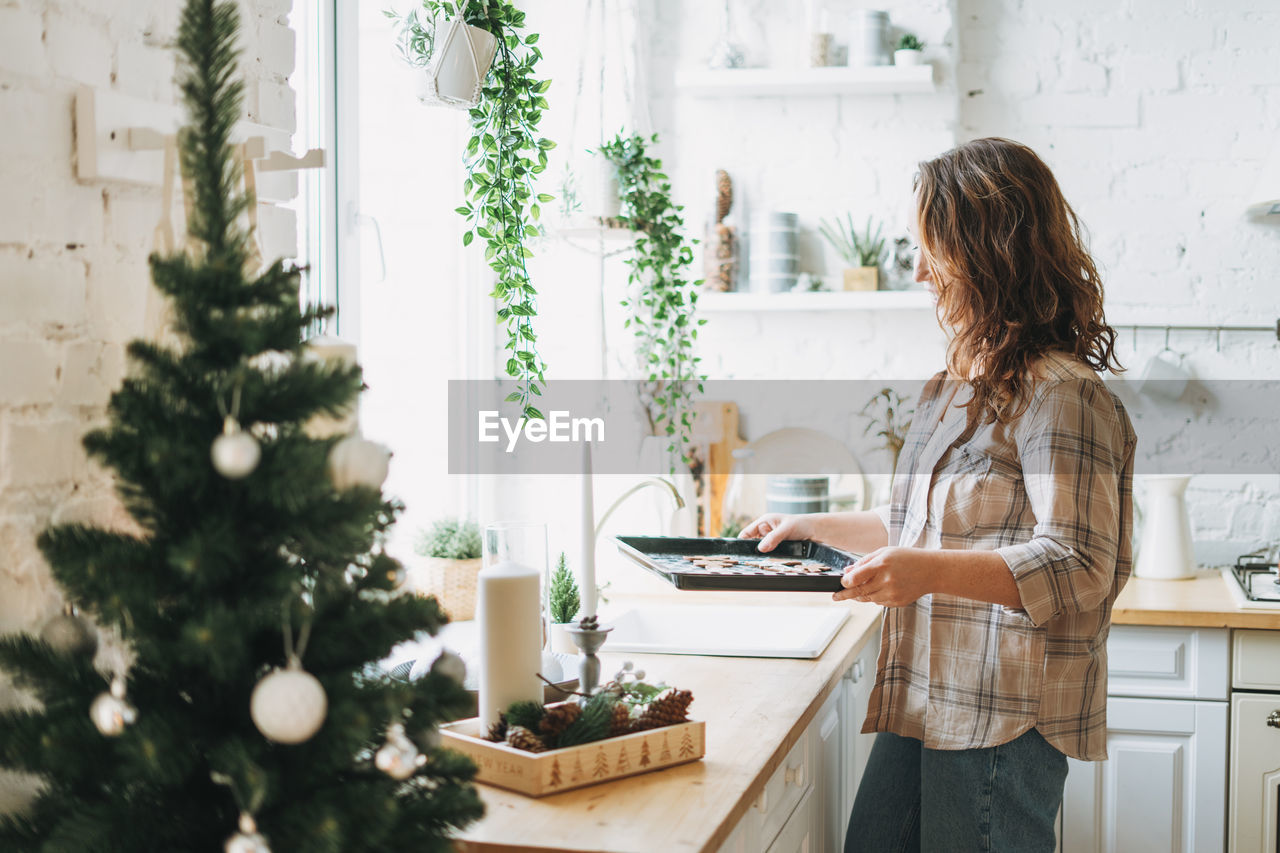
662,298
503,157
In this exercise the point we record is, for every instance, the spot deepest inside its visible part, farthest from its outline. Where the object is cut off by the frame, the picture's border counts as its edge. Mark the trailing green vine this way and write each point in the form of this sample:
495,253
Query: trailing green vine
663,298
503,157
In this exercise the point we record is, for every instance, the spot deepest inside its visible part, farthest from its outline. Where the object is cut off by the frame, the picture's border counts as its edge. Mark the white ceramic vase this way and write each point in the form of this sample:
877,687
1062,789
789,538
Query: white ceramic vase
906,57
1165,552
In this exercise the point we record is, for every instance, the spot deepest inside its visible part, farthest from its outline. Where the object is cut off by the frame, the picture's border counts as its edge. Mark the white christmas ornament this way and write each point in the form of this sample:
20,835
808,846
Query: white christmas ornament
356,462
451,665
247,840
288,705
235,453
110,712
398,757
70,634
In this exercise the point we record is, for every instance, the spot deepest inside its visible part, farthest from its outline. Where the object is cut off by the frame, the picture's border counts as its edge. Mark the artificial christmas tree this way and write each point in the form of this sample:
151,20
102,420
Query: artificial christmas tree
245,568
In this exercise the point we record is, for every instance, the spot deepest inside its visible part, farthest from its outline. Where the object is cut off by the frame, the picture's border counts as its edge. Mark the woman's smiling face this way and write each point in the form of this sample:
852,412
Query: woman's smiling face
922,274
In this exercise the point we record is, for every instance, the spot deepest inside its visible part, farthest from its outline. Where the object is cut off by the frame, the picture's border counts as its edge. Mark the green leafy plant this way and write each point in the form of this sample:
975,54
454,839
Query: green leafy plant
503,158
450,539
858,250
887,413
910,42
663,299
563,594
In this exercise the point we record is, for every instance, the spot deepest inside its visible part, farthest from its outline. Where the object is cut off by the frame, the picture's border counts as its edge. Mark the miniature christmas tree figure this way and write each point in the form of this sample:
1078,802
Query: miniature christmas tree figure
254,575
686,745
555,780
578,773
624,760
644,753
665,755
563,594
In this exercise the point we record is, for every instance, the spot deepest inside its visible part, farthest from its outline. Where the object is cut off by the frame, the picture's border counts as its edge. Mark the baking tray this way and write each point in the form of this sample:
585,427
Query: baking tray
665,557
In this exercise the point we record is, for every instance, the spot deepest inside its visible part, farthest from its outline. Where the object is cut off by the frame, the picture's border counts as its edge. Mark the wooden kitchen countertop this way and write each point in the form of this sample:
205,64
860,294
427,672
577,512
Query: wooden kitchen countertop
1201,602
755,709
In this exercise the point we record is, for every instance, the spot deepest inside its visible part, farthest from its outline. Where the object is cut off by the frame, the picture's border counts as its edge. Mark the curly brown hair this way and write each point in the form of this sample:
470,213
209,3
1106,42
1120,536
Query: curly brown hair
1014,279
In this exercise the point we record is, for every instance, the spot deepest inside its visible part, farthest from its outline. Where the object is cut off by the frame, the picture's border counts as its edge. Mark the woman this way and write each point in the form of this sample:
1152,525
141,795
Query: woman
1007,537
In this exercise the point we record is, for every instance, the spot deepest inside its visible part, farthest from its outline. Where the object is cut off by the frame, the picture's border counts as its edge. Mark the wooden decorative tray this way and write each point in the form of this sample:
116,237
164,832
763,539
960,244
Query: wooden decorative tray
736,564
538,774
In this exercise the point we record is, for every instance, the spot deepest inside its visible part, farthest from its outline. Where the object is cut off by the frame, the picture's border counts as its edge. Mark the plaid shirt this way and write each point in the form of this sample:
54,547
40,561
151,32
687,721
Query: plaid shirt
1051,493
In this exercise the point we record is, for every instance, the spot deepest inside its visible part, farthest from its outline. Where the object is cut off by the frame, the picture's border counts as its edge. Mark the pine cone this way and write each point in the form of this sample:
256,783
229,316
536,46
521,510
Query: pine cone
621,722
724,194
558,718
522,738
498,731
668,709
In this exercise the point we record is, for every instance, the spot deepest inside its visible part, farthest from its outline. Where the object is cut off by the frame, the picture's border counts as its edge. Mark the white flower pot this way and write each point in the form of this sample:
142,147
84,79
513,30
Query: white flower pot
458,65
907,57
559,640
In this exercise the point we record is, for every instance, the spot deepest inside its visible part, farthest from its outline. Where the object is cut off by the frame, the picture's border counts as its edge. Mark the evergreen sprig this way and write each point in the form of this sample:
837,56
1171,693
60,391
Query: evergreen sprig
503,158
663,298
197,589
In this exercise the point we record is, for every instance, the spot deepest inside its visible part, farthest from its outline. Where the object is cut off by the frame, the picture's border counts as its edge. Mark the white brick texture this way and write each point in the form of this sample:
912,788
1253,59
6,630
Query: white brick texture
74,282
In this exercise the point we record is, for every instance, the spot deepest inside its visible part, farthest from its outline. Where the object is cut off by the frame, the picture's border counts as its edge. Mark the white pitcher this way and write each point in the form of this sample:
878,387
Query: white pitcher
1166,552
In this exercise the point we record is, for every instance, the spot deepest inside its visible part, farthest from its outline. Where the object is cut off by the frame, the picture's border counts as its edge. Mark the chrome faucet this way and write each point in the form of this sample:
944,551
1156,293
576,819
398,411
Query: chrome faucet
648,481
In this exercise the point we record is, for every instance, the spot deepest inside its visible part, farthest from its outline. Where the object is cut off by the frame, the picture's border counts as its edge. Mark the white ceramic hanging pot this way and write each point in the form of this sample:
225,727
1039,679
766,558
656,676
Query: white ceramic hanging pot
1165,552
459,63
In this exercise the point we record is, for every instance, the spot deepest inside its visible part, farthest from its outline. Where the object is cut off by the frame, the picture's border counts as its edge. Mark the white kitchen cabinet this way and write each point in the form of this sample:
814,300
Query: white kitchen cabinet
1255,772
799,834
1163,786
805,805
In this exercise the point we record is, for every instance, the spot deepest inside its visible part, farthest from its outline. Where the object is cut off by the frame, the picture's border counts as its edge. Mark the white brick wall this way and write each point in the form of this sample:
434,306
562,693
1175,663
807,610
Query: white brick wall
74,282
1156,117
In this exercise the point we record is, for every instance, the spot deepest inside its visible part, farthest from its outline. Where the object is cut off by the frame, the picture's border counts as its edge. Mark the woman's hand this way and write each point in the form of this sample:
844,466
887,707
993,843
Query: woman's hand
774,527
892,576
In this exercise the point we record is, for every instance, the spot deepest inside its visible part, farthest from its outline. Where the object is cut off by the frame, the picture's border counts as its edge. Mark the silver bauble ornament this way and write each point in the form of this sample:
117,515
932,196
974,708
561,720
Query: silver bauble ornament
247,840
235,453
355,462
398,757
70,634
288,705
111,712
451,665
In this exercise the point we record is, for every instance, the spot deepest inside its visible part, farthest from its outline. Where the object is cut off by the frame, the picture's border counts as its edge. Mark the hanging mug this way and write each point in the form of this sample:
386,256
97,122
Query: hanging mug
1165,376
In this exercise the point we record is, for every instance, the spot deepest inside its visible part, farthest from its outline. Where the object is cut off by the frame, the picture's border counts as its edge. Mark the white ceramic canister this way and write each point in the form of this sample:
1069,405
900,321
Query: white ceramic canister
774,255
869,42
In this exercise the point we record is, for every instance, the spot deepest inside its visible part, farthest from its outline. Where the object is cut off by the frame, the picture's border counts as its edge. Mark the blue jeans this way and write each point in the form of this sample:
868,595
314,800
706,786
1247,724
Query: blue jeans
1003,798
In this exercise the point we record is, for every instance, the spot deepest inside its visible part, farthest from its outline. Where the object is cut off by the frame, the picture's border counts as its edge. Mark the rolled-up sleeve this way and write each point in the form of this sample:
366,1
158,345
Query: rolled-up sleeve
1074,453
882,512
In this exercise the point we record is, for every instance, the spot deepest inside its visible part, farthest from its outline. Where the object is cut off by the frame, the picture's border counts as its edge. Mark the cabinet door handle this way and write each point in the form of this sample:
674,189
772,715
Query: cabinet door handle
857,671
762,801
1273,719
794,776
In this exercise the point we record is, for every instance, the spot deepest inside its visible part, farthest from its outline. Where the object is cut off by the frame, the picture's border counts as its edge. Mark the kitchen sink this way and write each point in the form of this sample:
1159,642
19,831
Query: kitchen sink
741,631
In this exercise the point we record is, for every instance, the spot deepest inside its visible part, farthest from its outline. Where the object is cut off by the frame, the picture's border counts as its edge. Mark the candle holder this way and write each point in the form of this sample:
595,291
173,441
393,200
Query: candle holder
588,637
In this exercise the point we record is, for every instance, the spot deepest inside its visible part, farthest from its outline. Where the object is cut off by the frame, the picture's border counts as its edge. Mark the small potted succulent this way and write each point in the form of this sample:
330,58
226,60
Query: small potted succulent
563,602
452,550
863,253
908,51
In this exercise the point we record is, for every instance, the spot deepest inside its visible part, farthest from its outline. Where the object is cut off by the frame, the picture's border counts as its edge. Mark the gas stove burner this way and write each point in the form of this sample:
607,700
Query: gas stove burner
1257,575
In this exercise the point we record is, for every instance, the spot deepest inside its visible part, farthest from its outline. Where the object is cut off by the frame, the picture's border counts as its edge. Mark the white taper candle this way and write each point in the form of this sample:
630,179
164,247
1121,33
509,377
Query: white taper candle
587,575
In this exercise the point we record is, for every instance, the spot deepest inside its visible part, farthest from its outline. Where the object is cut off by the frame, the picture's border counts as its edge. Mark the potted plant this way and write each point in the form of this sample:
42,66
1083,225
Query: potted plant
908,51
563,602
503,159
663,297
864,253
454,55
452,550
